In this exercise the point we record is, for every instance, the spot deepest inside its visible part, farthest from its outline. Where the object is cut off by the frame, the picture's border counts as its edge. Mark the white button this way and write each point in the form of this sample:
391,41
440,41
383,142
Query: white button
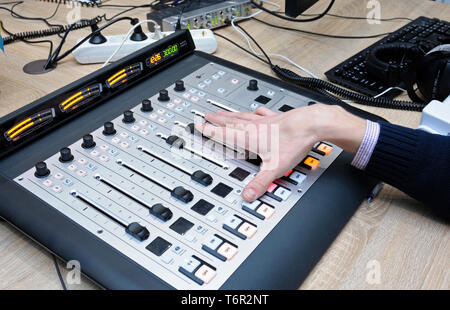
219,209
216,76
201,85
115,140
125,145
211,218
124,135
221,73
282,192
161,111
192,90
213,242
221,90
47,183
57,189
266,211
247,230
67,182
166,258
135,127
177,100
104,158
143,122
91,166
186,104
133,139
82,161
195,99
103,148
200,229
190,264
81,173
144,132
162,120
58,176
251,205
113,152
205,273
153,116
270,93
72,167
190,237
201,94
298,177
179,109
234,81
170,105
177,249
207,82
227,250
254,106
186,95
233,222
152,127
170,115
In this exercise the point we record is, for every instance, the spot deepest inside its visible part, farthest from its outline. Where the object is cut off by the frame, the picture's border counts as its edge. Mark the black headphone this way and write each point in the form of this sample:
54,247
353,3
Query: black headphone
405,65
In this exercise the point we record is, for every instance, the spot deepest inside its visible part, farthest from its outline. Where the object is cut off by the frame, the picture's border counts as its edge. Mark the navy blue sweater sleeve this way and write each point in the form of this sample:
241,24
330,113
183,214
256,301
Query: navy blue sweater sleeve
416,162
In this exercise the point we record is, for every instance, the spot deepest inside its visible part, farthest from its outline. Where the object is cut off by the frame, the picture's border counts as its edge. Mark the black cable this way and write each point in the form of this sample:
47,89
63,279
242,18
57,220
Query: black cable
58,271
322,34
363,18
319,16
256,43
242,48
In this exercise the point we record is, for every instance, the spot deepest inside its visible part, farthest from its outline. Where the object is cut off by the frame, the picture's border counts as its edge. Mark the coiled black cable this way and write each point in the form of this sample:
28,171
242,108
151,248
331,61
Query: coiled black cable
312,83
48,32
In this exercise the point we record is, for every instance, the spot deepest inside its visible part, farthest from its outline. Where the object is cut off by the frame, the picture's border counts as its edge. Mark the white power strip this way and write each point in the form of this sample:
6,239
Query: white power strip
436,117
87,53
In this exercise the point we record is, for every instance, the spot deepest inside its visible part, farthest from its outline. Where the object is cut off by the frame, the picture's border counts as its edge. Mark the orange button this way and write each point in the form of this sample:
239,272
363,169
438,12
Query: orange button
227,250
266,211
205,273
311,163
247,230
325,148
271,187
288,173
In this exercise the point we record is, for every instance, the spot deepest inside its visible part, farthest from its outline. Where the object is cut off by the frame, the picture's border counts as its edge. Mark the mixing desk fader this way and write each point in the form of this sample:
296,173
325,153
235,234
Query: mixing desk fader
111,172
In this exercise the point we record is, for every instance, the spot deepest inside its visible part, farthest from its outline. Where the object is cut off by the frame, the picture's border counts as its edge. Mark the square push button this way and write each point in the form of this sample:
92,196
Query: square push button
248,230
205,273
181,225
158,246
297,177
239,174
263,99
202,207
190,264
251,207
232,222
323,149
266,211
286,108
221,190
227,250
213,242
282,192
311,163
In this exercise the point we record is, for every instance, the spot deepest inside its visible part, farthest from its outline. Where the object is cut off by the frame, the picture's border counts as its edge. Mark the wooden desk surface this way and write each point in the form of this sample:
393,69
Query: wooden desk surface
396,234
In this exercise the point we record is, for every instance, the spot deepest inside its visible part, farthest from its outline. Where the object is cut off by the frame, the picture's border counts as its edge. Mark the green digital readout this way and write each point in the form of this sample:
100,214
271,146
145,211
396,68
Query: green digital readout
159,57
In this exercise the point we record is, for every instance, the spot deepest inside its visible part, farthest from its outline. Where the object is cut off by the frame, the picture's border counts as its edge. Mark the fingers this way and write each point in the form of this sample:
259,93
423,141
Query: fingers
230,136
248,116
258,186
263,111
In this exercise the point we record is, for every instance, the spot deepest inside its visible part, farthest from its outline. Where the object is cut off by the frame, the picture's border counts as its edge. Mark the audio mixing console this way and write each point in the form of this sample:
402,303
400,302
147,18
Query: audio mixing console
110,171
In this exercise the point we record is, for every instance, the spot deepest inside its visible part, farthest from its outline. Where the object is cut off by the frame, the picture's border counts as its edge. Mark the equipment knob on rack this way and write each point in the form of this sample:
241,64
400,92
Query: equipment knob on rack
163,95
146,106
65,155
128,117
41,170
179,86
252,85
108,129
88,142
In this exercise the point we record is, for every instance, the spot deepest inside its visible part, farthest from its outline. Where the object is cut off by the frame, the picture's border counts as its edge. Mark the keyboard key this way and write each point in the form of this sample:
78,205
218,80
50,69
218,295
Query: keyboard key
181,225
159,246
272,187
266,211
213,242
311,163
221,190
205,273
282,192
239,174
190,264
233,222
323,149
248,230
298,177
202,207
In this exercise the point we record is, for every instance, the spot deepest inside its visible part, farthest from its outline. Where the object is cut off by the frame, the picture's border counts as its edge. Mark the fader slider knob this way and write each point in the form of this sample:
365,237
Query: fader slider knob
128,117
108,129
65,155
41,170
163,95
88,141
146,106
253,85
179,86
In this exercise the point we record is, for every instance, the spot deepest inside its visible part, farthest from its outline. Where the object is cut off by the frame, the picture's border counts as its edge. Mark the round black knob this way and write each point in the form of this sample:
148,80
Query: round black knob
163,95
88,142
128,117
179,86
41,170
108,129
65,155
252,85
146,106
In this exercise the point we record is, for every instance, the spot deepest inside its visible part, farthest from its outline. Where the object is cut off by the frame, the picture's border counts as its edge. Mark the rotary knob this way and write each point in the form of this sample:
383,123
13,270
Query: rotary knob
41,170
65,155
252,85
128,117
88,142
146,106
179,86
163,95
108,129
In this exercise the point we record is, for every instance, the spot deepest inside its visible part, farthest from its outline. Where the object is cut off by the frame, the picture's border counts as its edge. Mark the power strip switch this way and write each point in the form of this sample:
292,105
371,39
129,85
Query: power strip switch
436,117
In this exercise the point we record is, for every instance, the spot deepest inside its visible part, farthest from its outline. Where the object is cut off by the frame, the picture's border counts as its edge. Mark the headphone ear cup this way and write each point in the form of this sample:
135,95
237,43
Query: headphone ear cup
380,57
433,76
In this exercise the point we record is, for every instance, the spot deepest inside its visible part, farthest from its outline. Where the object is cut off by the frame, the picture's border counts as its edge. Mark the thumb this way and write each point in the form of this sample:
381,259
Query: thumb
258,186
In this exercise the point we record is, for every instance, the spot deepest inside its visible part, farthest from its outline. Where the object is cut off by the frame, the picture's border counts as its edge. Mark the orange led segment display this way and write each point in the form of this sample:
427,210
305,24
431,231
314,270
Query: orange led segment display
28,125
80,98
124,75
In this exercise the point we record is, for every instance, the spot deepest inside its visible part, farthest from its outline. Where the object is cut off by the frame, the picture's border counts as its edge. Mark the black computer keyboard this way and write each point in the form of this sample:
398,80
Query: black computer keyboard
352,72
